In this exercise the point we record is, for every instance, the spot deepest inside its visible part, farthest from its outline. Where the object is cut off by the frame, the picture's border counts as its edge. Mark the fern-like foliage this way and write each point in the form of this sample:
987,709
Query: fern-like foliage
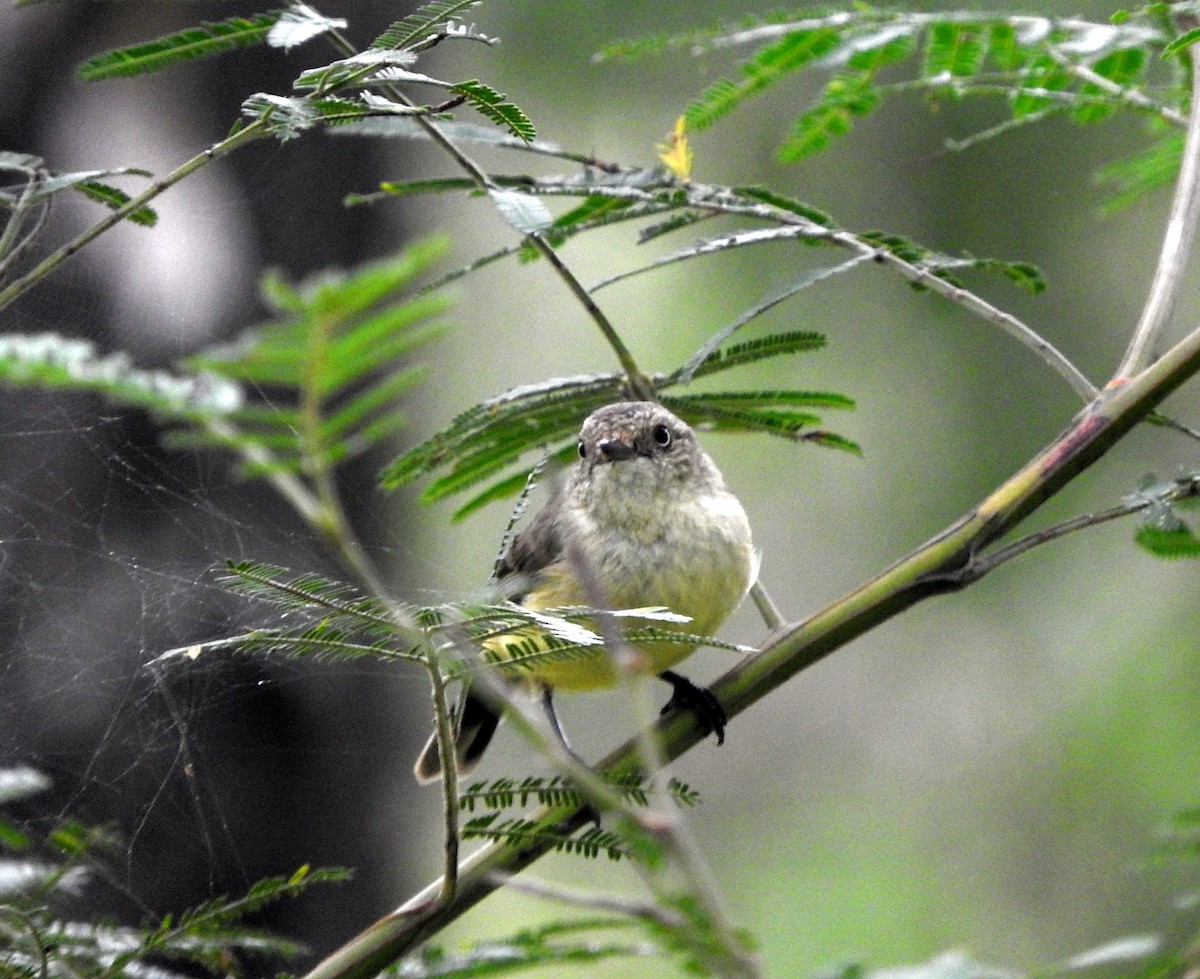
495,106
297,396
488,438
41,870
331,364
484,443
328,619
790,53
426,19
518,832
506,793
186,45
385,62
1038,65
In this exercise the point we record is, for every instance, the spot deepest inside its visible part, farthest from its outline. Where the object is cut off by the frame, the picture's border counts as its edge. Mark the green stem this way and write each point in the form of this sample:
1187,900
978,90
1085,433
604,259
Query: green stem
451,838
639,384
255,130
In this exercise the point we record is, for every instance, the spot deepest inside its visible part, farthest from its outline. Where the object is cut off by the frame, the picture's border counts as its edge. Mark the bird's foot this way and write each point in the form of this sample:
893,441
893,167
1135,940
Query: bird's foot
700,700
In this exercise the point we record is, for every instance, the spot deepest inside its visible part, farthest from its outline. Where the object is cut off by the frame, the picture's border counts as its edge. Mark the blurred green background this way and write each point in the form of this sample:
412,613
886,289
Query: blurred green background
991,771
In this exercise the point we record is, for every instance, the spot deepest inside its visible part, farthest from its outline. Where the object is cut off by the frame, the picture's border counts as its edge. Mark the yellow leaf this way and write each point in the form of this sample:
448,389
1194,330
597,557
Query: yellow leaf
677,153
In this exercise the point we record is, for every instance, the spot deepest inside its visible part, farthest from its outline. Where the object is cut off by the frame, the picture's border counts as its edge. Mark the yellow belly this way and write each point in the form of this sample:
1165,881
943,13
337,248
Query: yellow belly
702,575
586,668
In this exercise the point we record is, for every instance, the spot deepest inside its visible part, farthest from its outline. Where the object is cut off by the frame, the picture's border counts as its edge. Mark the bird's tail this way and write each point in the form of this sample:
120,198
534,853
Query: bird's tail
474,723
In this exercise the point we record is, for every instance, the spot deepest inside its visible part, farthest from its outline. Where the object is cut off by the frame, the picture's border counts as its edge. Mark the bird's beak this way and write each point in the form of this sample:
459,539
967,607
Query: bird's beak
615,449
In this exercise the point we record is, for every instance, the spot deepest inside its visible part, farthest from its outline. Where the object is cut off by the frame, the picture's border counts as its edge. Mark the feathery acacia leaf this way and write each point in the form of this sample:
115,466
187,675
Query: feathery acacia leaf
761,348
421,22
326,619
767,67
506,793
524,832
332,360
846,97
547,411
114,198
186,45
336,601
496,107
1030,60
486,440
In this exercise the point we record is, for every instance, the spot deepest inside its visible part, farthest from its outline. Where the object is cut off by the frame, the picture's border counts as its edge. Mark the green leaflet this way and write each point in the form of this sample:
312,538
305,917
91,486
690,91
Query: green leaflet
114,198
1035,64
334,361
1178,541
767,67
846,97
1137,175
524,832
486,440
507,793
172,49
496,107
421,22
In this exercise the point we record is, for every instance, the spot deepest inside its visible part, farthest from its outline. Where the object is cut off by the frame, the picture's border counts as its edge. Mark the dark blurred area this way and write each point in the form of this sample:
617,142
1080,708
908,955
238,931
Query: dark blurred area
214,777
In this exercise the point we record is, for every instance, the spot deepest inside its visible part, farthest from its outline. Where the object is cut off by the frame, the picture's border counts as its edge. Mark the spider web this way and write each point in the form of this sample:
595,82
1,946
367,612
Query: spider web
214,773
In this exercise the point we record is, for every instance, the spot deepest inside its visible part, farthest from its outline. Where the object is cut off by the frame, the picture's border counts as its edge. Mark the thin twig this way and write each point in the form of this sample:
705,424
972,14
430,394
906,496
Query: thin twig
1176,249
643,910
1183,489
662,822
766,606
638,382
1130,96
443,723
256,130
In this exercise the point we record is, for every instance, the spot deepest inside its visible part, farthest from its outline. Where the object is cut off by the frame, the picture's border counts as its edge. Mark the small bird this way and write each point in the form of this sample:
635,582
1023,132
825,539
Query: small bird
645,519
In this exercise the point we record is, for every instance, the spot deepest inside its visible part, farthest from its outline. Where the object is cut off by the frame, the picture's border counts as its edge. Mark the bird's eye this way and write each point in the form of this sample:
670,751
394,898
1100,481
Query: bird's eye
582,450
662,436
